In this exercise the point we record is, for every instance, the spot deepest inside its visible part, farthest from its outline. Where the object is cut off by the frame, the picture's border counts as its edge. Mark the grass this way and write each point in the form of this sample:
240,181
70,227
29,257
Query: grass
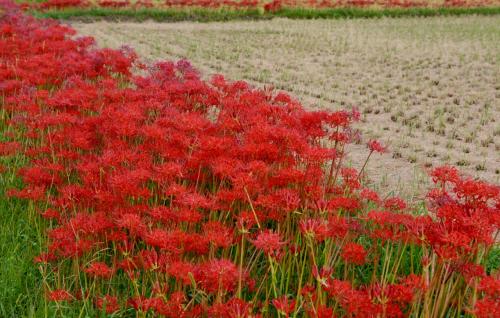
206,15
20,281
156,14
336,13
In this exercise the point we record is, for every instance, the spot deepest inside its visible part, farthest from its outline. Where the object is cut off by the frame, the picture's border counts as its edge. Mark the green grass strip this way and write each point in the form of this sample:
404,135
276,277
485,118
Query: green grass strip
224,14
156,14
339,13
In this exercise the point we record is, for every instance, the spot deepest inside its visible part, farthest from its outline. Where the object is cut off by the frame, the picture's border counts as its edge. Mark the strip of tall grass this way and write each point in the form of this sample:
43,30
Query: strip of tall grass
21,293
156,14
225,14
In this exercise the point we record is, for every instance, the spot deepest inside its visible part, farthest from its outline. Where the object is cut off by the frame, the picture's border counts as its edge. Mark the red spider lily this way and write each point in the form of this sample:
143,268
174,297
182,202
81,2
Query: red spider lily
338,227
99,269
59,295
270,243
9,148
395,204
472,271
487,308
354,253
444,174
370,195
344,203
355,302
376,146
490,286
217,275
51,214
284,305
218,234
108,303
314,228
323,275
234,308
320,311
181,271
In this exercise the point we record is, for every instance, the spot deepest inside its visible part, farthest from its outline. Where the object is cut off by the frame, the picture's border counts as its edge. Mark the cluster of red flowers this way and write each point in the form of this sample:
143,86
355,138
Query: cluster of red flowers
268,5
193,198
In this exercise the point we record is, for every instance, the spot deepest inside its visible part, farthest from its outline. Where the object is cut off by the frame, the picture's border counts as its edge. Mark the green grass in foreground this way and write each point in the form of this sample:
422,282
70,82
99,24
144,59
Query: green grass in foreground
21,294
205,15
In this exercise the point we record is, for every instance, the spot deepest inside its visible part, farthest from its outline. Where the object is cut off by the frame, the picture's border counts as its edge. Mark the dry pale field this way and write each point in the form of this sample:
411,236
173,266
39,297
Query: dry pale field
428,87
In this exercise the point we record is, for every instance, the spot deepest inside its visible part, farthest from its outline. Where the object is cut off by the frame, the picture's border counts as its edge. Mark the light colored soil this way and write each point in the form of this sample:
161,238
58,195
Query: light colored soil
428,87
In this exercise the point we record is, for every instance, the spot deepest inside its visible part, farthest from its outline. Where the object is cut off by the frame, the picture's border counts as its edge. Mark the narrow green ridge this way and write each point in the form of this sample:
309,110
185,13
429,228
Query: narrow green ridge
226,14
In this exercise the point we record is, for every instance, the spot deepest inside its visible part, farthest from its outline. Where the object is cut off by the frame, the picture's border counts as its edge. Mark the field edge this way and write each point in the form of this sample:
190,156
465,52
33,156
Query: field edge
224,14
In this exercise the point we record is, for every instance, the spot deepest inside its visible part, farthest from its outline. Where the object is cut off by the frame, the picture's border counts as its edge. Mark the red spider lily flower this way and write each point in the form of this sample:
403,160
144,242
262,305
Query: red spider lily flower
354,253
234,308
445,174
162,239
415,282
59,295
358,303
490,286
370,195
471,271
376,146
321,311
355,114
34,193
132,222
108,303
401,294
152,260
338,227
174,307
142,303
486,308
270,243
476,190
323,275
217,275
100,270
8,148
337,288
350,205
308,290
45,258
394,204
181,271
339,137
338,118
350,178
284,305
316,229
246,220
51,214
294,249
160,289
218,234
